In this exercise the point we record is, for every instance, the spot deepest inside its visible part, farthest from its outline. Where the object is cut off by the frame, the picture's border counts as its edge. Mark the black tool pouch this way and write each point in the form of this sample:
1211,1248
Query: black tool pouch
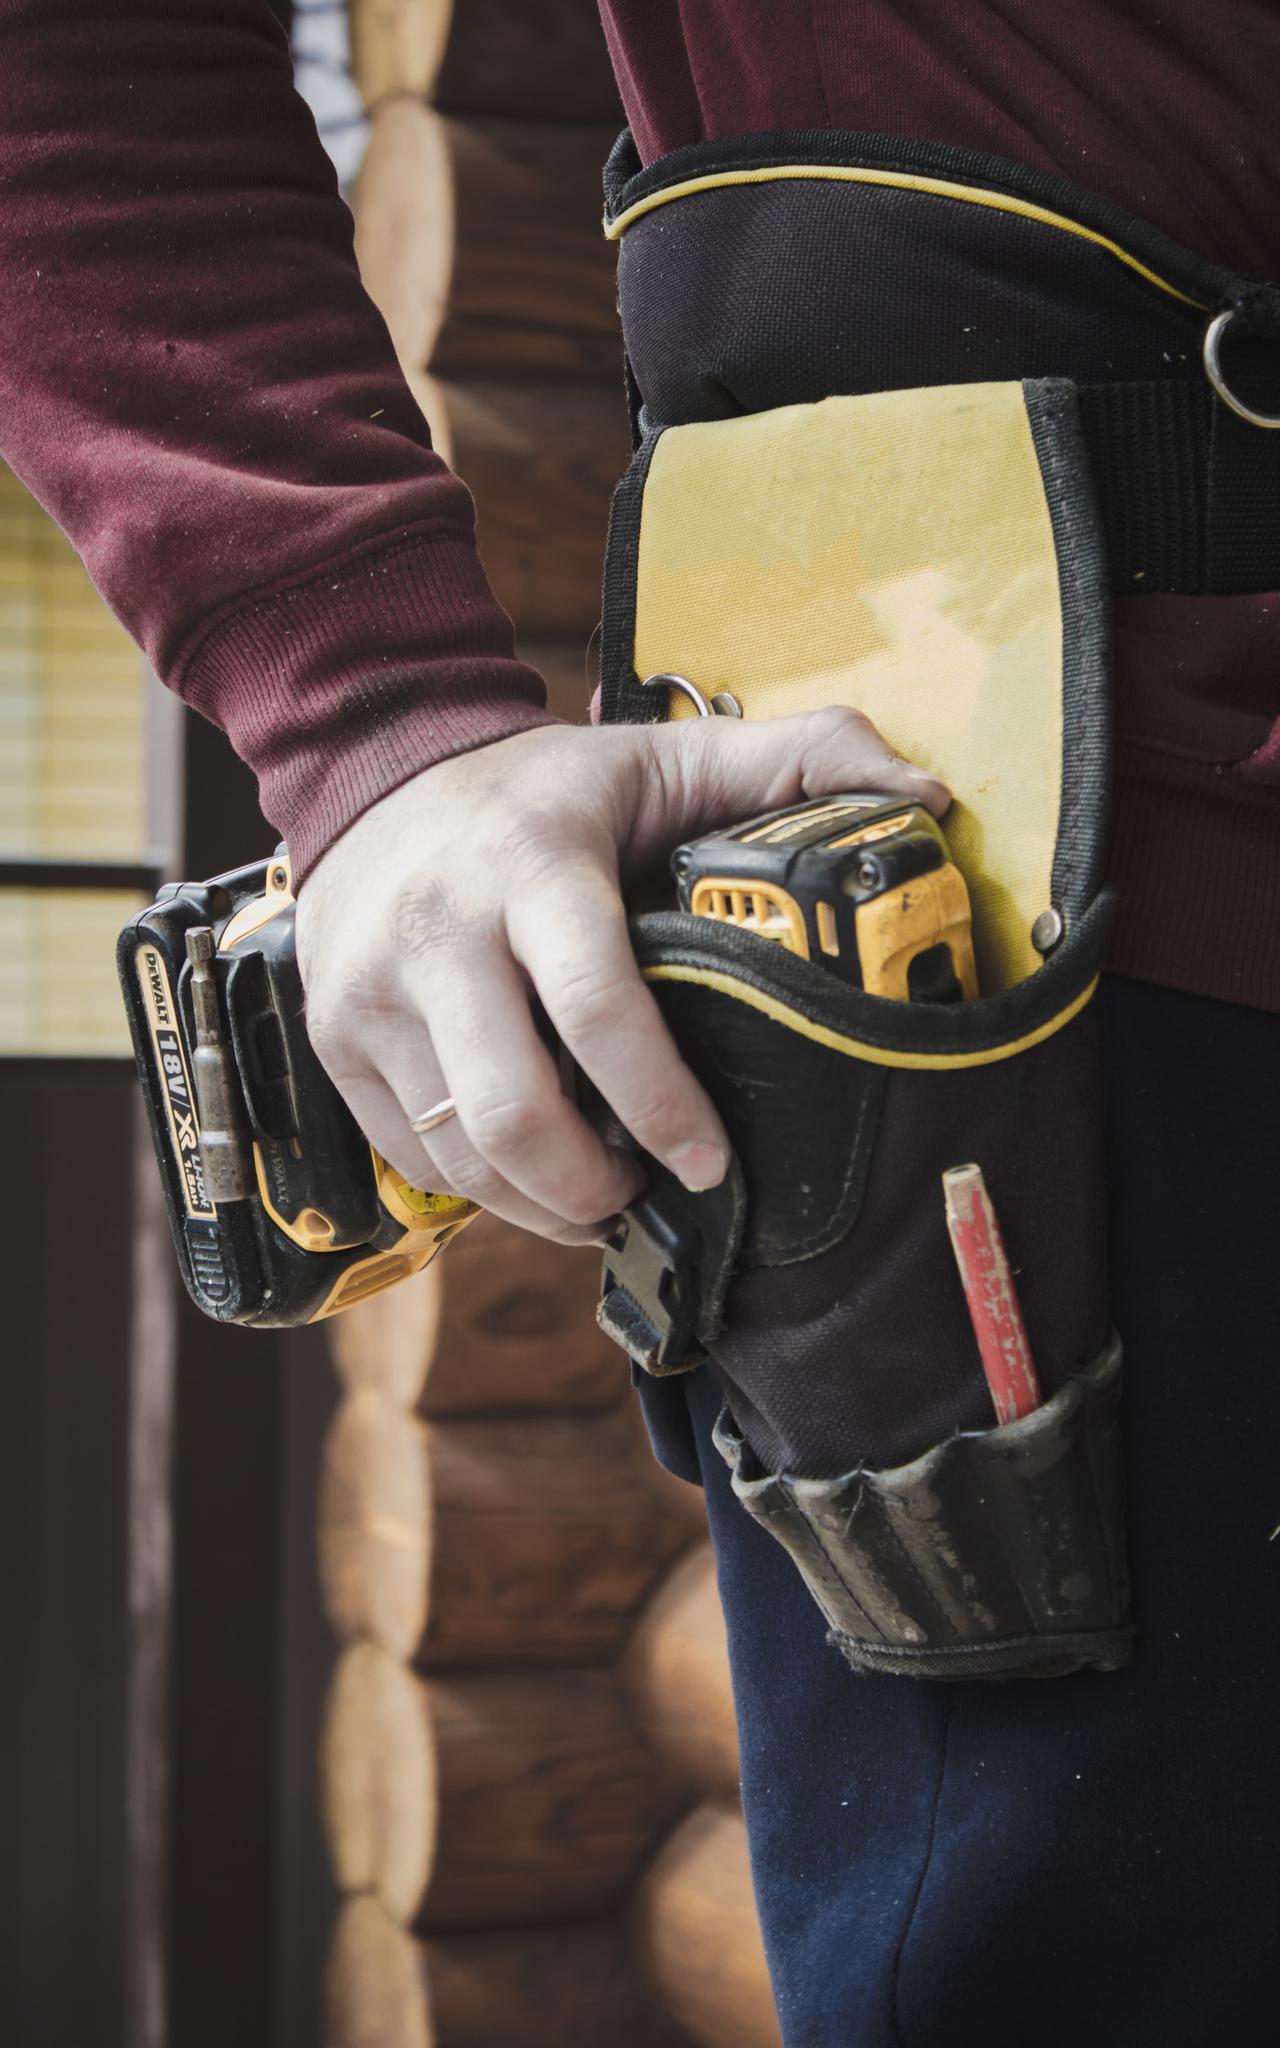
858,1423
935,558
916,1591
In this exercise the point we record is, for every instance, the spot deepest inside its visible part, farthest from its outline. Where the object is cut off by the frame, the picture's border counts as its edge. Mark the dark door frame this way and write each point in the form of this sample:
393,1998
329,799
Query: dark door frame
168,1654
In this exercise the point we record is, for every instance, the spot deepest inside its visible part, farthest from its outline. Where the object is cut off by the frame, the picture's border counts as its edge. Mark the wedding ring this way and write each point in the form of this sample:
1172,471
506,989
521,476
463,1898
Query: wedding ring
430,1118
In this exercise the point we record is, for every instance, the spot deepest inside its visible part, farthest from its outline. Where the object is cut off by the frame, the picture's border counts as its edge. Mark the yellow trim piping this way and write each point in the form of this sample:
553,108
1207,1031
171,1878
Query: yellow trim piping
905,181
874,1055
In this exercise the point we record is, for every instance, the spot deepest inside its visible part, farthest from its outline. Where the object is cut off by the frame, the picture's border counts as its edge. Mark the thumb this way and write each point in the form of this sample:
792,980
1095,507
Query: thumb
715,771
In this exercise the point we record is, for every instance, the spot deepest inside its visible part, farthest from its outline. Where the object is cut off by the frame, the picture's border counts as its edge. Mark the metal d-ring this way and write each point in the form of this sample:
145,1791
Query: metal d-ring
1213,334
723,705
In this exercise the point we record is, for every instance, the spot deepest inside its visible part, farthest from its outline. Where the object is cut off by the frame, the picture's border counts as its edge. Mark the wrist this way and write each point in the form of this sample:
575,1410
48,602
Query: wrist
338,688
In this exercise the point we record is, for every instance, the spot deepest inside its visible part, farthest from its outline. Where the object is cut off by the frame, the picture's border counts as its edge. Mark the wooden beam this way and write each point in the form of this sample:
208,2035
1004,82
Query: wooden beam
379,1780
480,241
534,1539
570,1987
549,1801
570,669
542,459
375,1989
488,1800
677,1665
539,57
700,1938
502,1323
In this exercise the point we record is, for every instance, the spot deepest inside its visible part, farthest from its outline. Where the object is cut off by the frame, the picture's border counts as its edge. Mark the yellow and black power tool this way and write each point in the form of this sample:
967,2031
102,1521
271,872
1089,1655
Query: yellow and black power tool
862,884
282,1212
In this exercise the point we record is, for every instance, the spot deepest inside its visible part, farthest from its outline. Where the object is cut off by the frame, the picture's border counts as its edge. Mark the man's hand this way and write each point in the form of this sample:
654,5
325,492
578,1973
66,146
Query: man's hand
423,931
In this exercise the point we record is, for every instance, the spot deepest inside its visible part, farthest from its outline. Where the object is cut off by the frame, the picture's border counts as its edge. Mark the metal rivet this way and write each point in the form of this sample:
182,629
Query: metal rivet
1047,930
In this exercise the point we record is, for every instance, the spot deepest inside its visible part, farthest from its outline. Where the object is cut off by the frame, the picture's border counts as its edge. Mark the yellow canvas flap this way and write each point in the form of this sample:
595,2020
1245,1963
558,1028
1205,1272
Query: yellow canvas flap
895,552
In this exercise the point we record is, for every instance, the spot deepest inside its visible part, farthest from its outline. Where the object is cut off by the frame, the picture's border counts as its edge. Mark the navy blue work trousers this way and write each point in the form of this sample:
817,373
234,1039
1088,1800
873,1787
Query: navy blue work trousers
1088,1862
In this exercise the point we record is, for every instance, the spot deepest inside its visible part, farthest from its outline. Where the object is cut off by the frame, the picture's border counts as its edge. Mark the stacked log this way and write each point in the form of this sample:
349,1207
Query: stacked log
563,1988
694,1930
544,58
511,1507
478,234
482,239
700,1942
529,1770
491,1525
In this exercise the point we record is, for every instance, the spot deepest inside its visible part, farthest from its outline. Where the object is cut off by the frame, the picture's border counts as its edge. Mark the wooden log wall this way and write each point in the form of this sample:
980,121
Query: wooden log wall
478,233
529,1769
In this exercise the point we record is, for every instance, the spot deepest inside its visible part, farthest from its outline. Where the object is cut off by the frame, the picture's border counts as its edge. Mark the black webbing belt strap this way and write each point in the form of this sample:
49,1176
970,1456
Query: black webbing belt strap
1189,493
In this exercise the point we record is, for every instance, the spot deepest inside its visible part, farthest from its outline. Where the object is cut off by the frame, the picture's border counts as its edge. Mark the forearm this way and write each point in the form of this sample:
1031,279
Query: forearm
194,383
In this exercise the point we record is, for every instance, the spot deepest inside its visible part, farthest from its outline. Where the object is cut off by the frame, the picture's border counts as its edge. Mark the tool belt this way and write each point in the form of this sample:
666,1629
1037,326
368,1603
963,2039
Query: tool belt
905,417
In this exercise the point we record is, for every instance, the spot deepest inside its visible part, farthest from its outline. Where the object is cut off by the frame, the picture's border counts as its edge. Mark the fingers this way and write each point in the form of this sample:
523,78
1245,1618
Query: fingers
516,1145
415,972
721,770
574,943
515,1130
385,1122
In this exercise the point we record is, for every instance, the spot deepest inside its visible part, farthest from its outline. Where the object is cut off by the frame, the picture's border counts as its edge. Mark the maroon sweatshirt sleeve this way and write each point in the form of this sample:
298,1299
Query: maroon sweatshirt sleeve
195,385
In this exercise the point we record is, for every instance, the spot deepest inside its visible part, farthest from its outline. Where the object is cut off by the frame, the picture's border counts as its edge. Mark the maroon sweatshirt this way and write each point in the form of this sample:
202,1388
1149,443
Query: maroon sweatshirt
194,384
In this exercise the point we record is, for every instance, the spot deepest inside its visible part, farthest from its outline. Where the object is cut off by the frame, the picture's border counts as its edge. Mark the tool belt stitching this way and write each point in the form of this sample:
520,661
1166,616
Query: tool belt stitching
670,945
1190,493
627,183
874,1055
1105,1649
1053,416
906,182
773,1498
855,1175
830,1558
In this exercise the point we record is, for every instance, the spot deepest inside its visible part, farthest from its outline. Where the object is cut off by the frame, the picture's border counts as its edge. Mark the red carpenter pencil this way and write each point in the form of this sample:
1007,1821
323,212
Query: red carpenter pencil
987,1278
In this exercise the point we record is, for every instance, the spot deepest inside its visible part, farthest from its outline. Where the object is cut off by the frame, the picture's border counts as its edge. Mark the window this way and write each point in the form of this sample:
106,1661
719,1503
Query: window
75,814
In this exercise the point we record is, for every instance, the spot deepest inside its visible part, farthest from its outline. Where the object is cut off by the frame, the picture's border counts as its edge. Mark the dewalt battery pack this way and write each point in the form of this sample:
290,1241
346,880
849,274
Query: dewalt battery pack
861,883
282,1212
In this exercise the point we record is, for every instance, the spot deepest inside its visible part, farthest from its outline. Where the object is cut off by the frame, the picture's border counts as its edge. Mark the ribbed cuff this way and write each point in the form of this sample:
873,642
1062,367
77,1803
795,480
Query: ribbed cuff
340,685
